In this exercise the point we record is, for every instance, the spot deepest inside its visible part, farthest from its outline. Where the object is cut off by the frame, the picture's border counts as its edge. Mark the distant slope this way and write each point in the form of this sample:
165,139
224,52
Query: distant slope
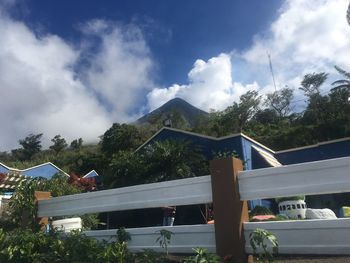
181,113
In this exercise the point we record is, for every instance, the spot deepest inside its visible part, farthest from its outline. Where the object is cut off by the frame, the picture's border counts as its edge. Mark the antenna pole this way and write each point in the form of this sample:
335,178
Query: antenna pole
271,70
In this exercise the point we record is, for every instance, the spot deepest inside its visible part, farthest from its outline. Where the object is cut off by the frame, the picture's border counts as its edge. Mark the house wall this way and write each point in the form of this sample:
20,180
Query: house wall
45,171
3,169
319,152
229,145
206,145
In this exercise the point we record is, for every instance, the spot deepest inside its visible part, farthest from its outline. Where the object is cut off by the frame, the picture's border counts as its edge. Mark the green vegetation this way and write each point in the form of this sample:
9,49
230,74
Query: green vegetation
258,240
164,239
22,210
26,246
260,210
202,256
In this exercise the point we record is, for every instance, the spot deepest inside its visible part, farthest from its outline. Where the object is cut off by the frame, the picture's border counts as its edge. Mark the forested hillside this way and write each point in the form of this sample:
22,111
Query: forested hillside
270,120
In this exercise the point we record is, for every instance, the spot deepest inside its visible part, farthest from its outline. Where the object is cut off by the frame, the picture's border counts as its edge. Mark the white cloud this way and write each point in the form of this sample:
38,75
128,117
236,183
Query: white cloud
307,36
121,70
210,86
42,93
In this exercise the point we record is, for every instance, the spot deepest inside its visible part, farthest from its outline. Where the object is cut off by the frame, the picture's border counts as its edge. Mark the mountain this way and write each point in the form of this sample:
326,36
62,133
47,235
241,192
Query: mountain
180,112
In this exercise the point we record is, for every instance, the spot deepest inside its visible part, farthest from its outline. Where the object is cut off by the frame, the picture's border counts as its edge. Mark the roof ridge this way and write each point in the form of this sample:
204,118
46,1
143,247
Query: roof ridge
314,145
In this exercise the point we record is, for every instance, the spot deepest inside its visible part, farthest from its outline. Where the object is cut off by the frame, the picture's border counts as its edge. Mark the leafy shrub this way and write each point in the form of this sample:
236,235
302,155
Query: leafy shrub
164,239
258,239
202,256
260,210
148,256
22,211
118,251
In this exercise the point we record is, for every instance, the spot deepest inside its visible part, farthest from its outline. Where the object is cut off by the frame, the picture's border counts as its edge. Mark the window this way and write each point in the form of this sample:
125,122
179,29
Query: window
293,206
298,206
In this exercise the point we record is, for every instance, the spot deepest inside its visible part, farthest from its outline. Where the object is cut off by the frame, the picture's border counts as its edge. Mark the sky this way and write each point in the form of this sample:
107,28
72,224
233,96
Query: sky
75,67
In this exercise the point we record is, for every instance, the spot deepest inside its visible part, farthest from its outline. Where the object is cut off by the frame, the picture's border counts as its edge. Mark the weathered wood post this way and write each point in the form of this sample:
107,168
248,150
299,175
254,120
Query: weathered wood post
229,211
41,195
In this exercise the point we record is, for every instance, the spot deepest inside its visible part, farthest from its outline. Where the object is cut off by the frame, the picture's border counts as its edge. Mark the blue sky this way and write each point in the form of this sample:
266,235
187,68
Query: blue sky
177,32
75,67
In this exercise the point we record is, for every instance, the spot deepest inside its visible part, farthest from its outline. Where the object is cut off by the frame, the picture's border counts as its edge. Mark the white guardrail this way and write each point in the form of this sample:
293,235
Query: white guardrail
190,191
321,177
295,237
302,236
184,238
323,237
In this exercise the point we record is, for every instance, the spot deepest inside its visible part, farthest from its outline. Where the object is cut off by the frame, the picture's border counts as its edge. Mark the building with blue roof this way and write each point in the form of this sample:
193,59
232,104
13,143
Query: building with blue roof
240,144
252,153
320,151
45,170
91,174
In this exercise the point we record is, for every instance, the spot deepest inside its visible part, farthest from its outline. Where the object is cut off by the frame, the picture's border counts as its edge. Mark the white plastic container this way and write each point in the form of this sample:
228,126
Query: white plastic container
294,209
68,224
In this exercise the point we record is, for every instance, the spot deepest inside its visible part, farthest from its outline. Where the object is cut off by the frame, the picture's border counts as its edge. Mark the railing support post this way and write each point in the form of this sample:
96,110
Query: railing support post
40,195
229,211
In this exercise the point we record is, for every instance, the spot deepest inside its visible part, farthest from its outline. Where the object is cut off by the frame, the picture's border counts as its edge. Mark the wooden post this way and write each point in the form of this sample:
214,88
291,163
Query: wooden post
41,195
229,211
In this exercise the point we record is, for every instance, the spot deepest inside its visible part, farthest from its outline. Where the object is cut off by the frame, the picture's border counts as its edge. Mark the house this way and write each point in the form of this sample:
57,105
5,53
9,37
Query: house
253,154
91,174
320,151
45,170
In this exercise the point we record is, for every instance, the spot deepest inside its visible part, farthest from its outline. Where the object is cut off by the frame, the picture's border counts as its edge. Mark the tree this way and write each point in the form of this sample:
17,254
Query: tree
58,144
238,115
248,106
120,137
125,168
76,144
30,146
173,159
342,83
159,161
280,101
312,82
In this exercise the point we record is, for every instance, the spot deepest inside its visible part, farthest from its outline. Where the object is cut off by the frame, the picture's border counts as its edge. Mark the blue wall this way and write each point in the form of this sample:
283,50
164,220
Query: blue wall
206,145
45,171
320,152
3,169
210,146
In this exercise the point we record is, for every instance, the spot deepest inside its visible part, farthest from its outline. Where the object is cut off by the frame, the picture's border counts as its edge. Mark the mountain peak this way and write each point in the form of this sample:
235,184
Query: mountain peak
178,110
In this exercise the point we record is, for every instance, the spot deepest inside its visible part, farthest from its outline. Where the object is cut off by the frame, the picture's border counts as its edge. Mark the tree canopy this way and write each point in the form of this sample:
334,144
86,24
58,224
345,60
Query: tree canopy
30,146
120,137
59,144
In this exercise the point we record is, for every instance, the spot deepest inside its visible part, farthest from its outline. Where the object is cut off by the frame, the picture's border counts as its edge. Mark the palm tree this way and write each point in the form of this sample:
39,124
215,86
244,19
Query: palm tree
342,83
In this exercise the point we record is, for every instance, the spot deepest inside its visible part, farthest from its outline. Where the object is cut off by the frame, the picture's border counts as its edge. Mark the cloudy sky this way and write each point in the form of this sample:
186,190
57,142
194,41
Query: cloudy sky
75,67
